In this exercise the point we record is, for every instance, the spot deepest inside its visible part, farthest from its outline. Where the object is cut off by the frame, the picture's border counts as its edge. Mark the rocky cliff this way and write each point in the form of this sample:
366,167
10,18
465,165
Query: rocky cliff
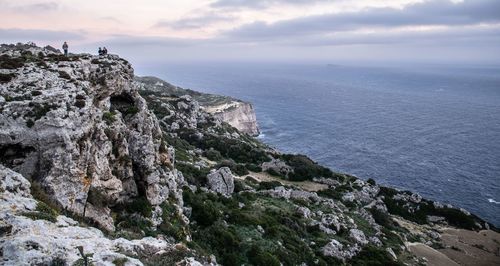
238,114
96,167
79,128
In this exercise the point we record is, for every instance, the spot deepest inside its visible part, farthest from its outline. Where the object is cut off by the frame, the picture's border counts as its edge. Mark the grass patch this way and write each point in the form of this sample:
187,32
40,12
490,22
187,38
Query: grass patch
42,212
109,117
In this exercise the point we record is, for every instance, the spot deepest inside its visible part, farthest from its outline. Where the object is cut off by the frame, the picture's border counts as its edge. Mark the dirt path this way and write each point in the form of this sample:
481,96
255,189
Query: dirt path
432,256
470,247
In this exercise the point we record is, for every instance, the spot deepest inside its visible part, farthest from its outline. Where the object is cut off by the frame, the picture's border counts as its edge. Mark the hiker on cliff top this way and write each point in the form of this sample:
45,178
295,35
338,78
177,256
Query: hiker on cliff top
104,51
101,52
65,48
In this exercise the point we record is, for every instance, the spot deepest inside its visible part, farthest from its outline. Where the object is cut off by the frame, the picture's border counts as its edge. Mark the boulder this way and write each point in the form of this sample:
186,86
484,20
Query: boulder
221,181
358,236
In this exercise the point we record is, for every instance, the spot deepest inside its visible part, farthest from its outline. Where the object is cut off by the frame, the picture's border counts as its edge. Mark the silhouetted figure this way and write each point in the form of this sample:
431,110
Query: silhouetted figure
65,48
101,52
104,51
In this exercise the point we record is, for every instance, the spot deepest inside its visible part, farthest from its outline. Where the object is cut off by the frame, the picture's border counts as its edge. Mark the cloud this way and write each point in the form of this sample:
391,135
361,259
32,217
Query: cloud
438,37
439,12
195,22
36,7
155,41
472,36
260,4
24,35
111,19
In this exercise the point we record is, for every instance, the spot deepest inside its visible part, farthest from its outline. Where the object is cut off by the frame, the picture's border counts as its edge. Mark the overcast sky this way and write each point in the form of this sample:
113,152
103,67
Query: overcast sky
257,30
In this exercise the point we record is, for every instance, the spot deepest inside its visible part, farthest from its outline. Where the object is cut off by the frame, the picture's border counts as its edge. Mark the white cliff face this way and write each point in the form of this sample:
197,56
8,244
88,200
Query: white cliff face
240,115
78,127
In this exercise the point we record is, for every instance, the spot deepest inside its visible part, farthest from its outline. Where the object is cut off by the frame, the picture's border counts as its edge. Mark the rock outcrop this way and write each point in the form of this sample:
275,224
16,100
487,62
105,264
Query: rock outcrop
238,114
221,181
78,127
39,241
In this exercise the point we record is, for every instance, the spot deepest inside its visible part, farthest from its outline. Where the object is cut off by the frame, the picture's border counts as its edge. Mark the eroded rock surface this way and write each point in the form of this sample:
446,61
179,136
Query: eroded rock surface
78,127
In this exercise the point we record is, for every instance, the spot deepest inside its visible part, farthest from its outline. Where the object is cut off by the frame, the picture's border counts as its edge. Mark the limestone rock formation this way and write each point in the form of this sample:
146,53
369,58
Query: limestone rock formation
78,127
33,240
240,115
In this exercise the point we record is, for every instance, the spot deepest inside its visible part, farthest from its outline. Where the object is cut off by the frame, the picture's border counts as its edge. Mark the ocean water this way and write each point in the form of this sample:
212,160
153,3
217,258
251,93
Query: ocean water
433,129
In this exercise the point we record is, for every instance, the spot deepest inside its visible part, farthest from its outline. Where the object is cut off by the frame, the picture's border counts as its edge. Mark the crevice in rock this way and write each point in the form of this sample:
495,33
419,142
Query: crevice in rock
124,103
12,155
139,179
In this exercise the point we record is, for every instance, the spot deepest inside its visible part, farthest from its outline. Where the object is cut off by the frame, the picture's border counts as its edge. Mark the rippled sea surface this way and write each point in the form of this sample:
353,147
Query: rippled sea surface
430,129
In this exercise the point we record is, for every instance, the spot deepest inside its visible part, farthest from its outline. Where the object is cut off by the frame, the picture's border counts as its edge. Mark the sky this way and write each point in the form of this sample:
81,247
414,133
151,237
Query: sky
155,31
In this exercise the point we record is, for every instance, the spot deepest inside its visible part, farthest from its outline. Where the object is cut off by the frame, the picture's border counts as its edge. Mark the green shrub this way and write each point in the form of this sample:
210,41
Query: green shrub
425,208
192,174
132,110
223,241
371,181
253,167
213,155
42,212
258,257
7,62
265,185
205,213
373,256
238,169
335,193
273,172
305,168
138,205
382,218
120,261
109,117
96,197
235,149
172,225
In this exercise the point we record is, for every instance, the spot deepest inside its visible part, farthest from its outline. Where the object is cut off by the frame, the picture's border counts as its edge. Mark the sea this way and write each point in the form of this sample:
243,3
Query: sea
430,128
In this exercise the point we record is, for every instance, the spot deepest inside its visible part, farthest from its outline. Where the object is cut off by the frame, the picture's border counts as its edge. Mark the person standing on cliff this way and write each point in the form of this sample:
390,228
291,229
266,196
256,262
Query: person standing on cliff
65,48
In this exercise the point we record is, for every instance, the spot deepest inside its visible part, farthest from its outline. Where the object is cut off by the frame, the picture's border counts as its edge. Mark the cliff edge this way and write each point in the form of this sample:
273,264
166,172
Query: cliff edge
98,168
237,113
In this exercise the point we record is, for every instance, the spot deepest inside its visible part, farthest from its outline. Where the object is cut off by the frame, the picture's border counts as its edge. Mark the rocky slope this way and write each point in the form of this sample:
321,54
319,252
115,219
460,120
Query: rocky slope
98,167
238,114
